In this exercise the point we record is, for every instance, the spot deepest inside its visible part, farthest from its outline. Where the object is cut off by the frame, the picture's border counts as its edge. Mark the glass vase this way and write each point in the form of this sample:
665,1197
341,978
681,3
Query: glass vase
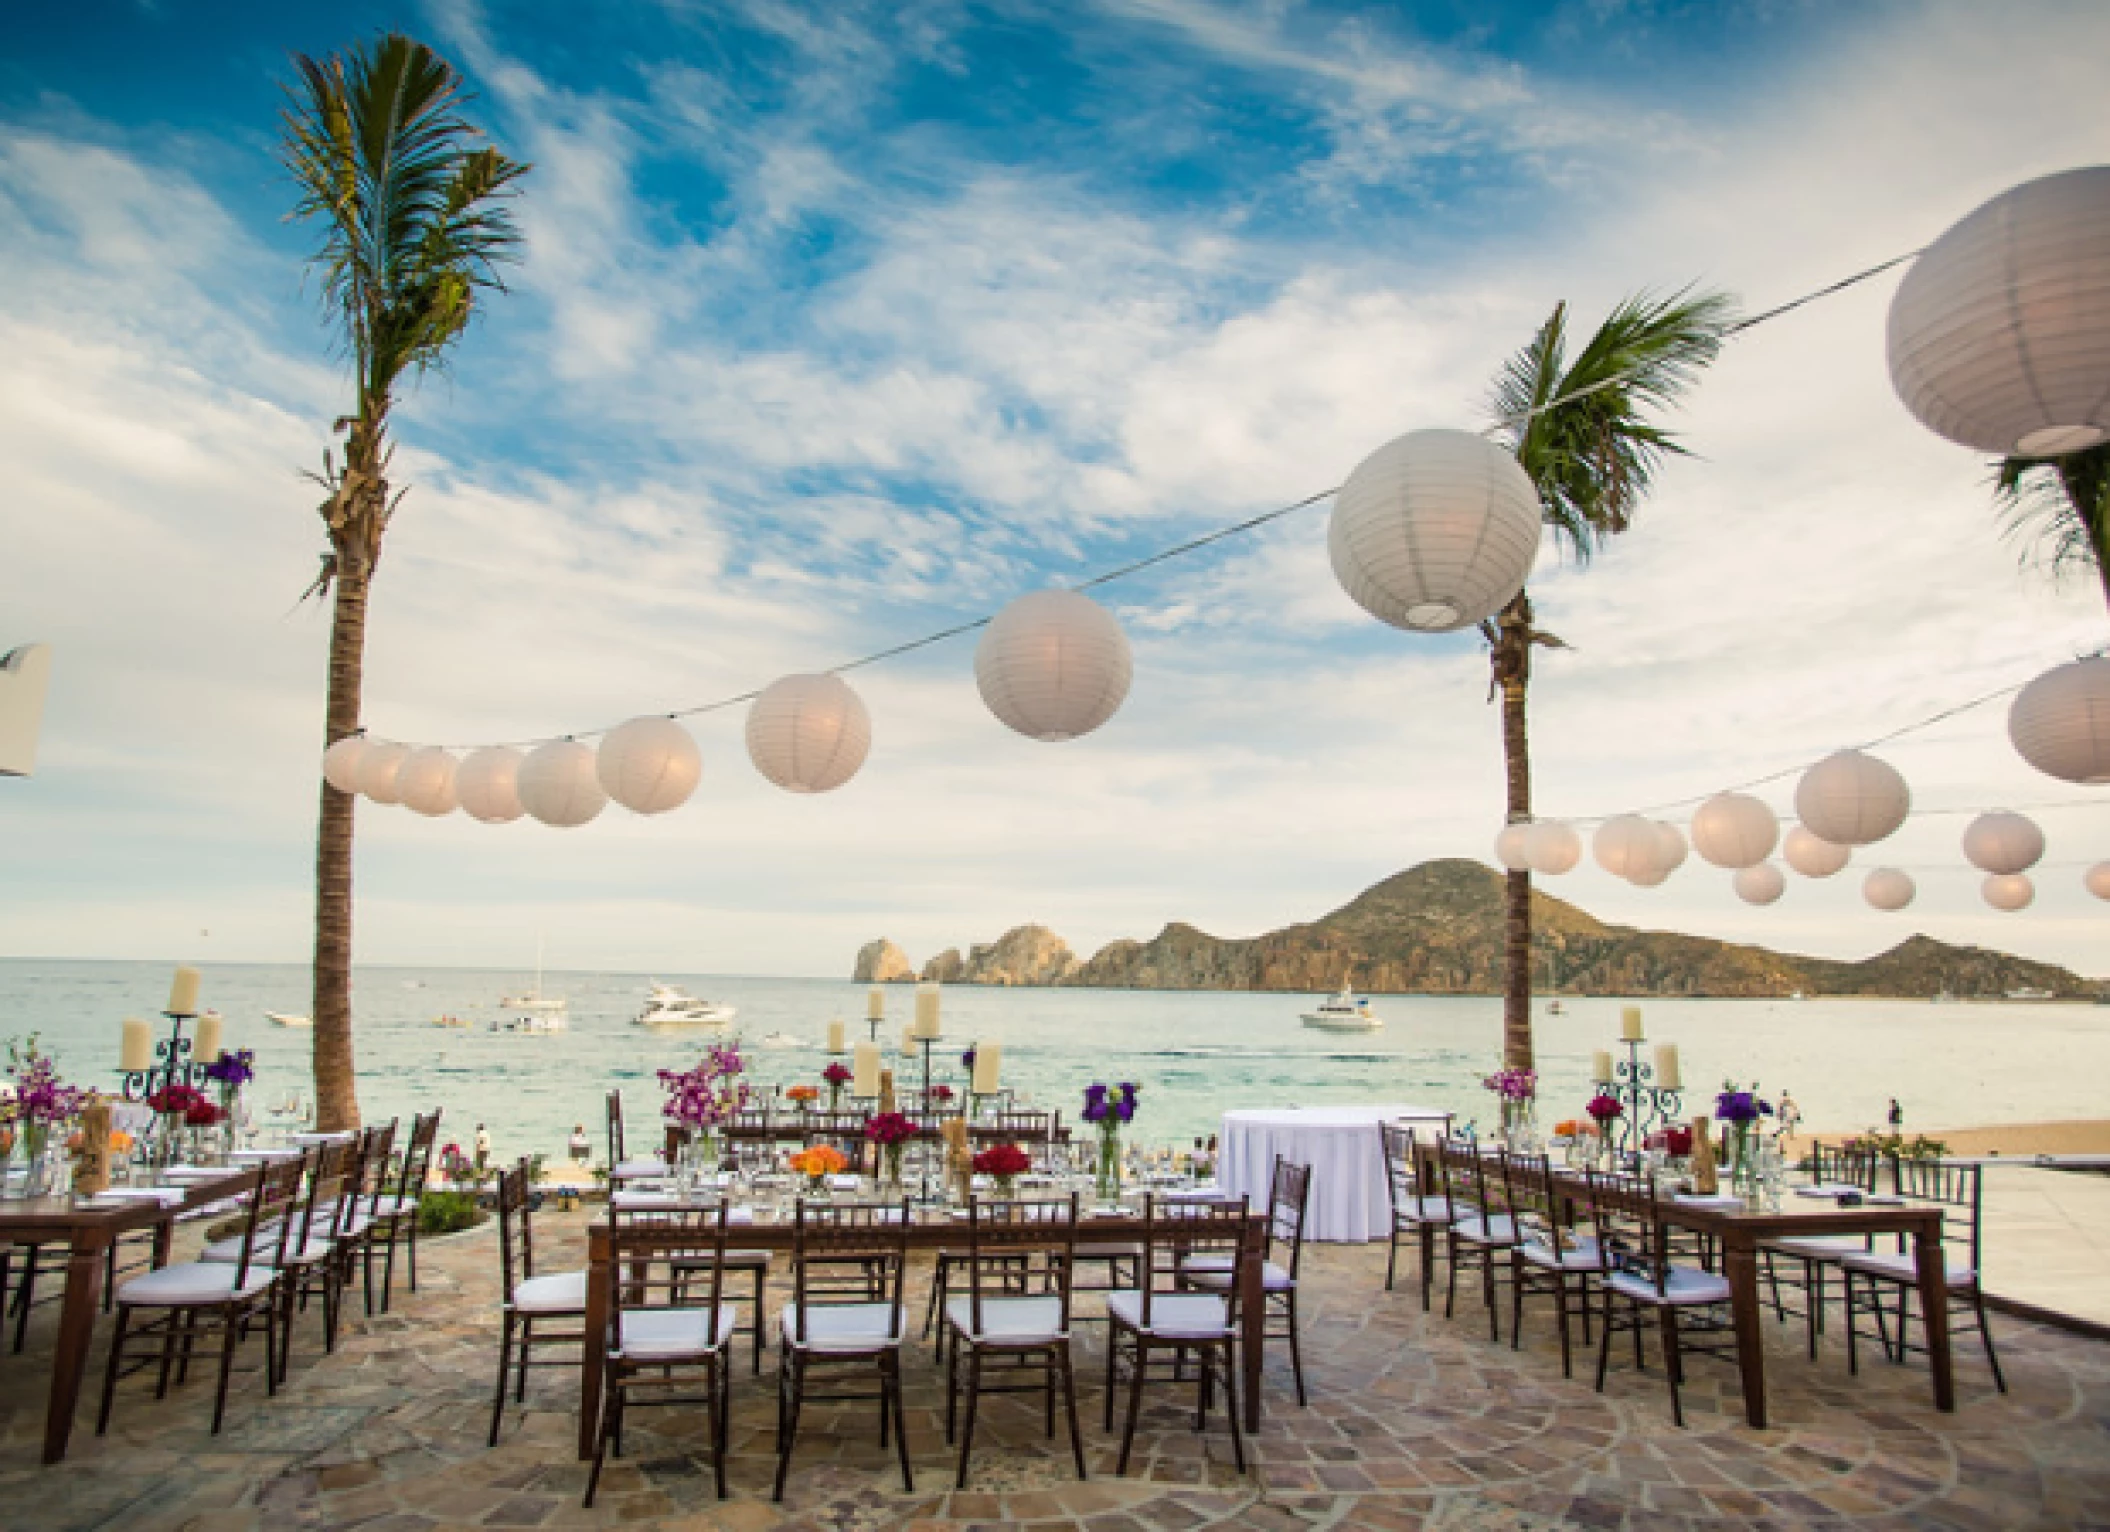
890,1164
1744,1177
1107,1179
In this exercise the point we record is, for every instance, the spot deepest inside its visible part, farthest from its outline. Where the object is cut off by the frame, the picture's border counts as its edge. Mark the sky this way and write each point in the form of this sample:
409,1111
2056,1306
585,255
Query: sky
840,323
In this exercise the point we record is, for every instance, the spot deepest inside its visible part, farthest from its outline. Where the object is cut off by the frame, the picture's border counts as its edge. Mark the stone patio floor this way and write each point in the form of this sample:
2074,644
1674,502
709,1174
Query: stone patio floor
1414,1422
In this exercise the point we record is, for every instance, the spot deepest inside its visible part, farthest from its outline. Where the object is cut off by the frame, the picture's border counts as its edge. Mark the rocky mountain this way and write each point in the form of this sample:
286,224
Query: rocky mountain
1437,929
881,962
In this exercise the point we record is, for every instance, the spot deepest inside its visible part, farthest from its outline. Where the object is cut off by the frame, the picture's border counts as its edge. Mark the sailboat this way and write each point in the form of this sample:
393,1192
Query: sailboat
534,1002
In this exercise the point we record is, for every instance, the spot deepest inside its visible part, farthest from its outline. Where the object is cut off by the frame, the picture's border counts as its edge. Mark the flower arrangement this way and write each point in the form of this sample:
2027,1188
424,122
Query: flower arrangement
941,1094
176,1101
1003,1164
1739,1106
1677,1143
967,1059
803,1095
232,1071
705,1098
1604,1109
42,1101
838,1075
890,1131
204,1114
818,1163
1108,1111
1569,1127
1513,1084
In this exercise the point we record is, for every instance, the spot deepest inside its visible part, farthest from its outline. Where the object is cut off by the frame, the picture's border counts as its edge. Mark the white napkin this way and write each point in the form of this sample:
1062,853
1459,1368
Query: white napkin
842,1183
181,1173
1726,1201
263,1156
167,1196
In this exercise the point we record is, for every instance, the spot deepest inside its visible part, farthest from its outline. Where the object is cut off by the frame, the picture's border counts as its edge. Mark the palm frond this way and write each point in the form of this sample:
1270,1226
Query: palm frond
2059,509
1582,430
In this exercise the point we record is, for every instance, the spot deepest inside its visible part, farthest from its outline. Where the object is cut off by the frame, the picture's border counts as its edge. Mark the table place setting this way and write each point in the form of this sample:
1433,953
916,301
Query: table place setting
118,1196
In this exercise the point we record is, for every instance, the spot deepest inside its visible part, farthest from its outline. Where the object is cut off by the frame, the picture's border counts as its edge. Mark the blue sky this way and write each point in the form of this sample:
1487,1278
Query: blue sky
840,323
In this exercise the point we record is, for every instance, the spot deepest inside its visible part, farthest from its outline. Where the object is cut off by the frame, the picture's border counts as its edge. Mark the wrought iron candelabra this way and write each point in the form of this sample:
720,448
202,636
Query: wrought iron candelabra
1648,1106
174,1064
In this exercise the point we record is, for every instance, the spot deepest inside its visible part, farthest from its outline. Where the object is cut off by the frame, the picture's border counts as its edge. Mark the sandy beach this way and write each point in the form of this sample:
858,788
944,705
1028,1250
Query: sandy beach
2087,1136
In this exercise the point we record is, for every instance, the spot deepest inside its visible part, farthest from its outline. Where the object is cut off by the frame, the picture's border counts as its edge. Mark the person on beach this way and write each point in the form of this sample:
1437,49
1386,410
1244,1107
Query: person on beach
1897,1116
483,1149
581,1145
1789,1116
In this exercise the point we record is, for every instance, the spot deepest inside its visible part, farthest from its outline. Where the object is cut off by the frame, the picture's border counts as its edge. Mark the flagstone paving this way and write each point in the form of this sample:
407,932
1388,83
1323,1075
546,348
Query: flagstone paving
1414,1422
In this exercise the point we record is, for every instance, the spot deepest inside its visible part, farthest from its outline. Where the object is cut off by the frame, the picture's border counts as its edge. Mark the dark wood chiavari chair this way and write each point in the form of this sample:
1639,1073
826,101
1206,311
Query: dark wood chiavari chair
1158,1315
1551,1256
1484,1230
826,1327
663,1344
396,1213
1289,1195
1816,1256
1419,1209
1958,1189
1015,1313
621,1167
528,1300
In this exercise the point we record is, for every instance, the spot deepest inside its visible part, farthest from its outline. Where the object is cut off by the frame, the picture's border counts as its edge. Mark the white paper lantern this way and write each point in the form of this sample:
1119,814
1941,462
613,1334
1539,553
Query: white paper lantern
426,782
2060,722
2000,333
649,765
488,784
1053,665
809,734
2097,880
340,763
1670,847
1852,799
1888,889
1760,883
558,784
1554,847
379,765
2010,891
1434,531
2003,842
1651,875
1735,830
1812,855
1510,843
1627,846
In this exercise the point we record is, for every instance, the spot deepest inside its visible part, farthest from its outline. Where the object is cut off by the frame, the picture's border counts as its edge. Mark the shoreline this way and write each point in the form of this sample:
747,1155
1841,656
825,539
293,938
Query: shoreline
2021,1139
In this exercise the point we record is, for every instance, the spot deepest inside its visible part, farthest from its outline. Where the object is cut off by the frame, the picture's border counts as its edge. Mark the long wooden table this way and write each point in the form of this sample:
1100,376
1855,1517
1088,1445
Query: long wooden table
1741,1232
88,1233
924,1233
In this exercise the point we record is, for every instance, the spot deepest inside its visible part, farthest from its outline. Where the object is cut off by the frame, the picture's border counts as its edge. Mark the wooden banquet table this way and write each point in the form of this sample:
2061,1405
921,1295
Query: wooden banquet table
924,1233
88,1230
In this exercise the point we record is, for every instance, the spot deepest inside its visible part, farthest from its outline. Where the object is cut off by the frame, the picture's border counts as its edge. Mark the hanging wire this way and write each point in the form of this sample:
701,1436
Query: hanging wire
1221,534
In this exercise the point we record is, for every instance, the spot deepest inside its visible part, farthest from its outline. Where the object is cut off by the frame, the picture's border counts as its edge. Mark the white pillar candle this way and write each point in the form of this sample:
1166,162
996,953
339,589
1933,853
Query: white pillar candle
206,1046
835,1036
1601,1066
927,1010
138,1050
1630,1024
875,1003
988,1061
864,1079
1667,1075
183,993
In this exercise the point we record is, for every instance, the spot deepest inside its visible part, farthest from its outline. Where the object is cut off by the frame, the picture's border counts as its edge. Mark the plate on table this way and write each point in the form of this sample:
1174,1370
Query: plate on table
1726,1202
179,1174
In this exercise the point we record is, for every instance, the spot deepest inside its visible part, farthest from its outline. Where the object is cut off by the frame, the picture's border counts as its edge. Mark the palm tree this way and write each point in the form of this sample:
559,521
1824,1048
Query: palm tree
412,226
1584,434
2062,504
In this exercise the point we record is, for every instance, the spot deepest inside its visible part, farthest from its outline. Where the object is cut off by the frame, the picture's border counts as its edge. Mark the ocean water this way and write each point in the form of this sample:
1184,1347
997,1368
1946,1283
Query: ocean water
1195,1055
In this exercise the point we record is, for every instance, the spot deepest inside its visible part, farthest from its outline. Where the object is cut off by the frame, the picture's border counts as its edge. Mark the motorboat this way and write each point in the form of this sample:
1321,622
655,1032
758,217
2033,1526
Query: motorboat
2029,992
287,1019
783,1040
1344,1012
534,1022
668,1006
534,1002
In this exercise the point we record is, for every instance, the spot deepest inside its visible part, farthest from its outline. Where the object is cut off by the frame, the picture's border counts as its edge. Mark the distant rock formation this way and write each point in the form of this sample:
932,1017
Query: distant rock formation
1437,929
881,962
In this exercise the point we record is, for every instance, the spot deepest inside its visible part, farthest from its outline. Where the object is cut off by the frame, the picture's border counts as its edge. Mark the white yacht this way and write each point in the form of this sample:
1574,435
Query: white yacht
287,1019
535,1021
1345,1012
534,1002
668,1006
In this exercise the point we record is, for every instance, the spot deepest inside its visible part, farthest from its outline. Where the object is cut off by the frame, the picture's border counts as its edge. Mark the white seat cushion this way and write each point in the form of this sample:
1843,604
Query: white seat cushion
229,1250
1899,1266
670,1335
1185,1316
1583,1255
1013,1321
391,1206
640,1170
1215,1271
1480,1229
843,1327
561,1292
194,1283
1429,1210
1687,1284
1820,1247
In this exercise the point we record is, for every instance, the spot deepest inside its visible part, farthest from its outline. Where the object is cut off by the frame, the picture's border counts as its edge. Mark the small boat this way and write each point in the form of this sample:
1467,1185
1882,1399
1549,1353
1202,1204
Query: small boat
2028,992
287,1019
668,1006
783,1040
1345,1012
1941,997
449,1020
538,1022
534,1000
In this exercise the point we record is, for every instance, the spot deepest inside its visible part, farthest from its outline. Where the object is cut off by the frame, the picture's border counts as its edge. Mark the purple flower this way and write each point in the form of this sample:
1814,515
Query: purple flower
1110,1108
967,1059
232,1070
1739,1106
40,1097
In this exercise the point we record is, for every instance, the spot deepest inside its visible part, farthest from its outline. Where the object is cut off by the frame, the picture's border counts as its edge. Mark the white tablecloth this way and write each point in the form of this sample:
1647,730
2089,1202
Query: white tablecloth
1349,1201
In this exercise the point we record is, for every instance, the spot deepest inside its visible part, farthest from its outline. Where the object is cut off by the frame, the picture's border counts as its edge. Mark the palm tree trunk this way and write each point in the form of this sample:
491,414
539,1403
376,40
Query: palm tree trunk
1511,657
336,1089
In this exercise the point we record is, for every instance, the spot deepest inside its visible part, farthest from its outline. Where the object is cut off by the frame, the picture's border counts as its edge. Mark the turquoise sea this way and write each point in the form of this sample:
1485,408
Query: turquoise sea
1194,1054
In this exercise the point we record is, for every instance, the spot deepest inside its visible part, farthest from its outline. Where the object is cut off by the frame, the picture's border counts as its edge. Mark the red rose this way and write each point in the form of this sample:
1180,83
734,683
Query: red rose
1003,1161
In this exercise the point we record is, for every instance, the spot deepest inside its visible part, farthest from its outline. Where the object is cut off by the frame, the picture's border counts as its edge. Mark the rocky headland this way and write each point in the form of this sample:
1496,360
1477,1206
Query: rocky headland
1437,929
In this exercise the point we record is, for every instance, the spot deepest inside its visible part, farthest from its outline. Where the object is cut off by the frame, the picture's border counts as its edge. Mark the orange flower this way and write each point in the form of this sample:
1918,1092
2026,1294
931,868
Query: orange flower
1566,1129
820,1160
120,1141
803,1093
